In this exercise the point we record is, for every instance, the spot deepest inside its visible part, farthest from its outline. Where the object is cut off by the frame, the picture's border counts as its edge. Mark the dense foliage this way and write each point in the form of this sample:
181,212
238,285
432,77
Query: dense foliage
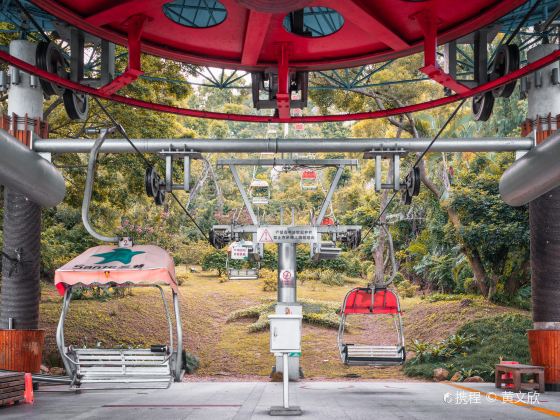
475,348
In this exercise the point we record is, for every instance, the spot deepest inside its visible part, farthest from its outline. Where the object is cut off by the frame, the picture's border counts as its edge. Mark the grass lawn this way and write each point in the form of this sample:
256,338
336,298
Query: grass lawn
227,349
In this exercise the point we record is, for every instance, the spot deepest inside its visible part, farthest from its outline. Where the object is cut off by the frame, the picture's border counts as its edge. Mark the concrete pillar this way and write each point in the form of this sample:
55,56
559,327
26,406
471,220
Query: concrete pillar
544,219
19,307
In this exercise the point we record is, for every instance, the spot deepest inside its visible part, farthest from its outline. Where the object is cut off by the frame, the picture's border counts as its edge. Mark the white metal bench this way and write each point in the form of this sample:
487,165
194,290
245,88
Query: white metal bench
243,274
373,355
135,366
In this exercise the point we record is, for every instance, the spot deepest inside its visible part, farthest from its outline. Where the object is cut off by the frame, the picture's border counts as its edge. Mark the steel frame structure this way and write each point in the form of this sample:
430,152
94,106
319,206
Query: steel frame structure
326,78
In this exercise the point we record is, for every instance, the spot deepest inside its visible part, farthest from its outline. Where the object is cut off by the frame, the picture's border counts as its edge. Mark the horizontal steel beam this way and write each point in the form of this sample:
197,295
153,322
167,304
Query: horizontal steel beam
349,145
288,162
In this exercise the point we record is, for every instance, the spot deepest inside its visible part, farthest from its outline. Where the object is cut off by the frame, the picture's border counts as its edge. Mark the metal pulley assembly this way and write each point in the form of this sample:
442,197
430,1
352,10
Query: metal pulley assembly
506,60
49,58
411,186
352,239
218,238
76,105
154,186
482,106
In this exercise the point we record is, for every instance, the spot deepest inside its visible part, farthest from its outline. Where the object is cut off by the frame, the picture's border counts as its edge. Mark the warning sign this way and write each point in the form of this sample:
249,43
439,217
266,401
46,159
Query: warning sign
286,234
287,277
239,253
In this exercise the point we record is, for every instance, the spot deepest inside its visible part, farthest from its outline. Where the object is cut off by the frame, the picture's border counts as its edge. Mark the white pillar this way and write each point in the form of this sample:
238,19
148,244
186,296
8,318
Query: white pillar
22,99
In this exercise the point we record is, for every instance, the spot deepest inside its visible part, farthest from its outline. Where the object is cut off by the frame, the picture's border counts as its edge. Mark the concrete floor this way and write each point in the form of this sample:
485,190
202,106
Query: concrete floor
319,400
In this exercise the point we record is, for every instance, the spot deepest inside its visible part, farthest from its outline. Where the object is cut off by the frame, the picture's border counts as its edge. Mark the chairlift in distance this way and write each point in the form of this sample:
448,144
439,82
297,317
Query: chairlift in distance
371,301
259,191
308,180
246,251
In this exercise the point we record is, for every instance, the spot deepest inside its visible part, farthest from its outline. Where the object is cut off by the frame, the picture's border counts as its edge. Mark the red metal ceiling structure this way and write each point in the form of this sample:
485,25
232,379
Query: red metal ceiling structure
250,38
253,35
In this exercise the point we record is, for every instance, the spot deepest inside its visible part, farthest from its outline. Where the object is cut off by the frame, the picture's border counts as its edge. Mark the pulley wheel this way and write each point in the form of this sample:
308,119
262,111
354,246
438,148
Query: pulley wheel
159,199
482,106
506,60
151,182
413,182
76,105
406,197
49,58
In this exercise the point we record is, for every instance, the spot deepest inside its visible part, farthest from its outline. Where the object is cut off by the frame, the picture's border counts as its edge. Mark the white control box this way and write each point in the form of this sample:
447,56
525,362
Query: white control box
285,333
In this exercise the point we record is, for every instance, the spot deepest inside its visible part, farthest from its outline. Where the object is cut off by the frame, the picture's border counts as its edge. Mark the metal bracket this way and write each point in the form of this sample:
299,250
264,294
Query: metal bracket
428,23
395,177
170,156
134,70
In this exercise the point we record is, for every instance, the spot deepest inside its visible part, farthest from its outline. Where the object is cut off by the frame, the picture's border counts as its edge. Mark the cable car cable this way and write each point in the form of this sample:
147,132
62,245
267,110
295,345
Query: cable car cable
443,127
148,163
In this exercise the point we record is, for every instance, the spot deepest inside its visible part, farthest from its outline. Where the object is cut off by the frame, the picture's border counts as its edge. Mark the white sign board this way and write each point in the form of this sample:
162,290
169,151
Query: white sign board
286,234
239,253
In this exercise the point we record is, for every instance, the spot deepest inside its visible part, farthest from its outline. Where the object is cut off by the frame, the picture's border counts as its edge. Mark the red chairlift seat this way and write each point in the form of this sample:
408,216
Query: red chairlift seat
309,180
371,301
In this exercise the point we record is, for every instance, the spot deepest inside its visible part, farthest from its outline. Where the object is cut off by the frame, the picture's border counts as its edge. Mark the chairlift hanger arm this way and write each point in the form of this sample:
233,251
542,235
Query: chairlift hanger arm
330,194
243,193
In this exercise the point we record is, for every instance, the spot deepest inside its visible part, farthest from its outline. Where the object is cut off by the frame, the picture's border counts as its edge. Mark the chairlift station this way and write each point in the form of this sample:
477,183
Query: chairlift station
476,52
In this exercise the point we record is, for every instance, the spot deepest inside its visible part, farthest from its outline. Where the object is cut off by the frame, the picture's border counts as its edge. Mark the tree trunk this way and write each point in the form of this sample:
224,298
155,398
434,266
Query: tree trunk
379,250
480,276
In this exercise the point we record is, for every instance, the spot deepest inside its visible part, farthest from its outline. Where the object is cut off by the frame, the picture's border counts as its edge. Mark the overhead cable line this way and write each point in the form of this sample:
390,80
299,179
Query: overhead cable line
416,163
147,162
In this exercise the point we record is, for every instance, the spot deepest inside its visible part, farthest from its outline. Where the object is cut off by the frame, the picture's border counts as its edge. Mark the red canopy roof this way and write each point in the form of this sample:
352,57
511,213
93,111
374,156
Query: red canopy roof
359,301
247,33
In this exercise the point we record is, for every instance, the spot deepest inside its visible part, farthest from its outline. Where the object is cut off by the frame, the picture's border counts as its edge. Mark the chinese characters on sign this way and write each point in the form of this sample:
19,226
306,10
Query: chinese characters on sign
464,397
239,253
287,234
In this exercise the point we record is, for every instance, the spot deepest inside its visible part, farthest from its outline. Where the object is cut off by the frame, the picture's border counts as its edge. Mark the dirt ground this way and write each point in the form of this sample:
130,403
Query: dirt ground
225,349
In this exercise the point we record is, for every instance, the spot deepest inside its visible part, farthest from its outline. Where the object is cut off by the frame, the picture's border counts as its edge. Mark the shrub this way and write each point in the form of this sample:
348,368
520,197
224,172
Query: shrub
475,348
331,278
406,289
269,280
190,362
323,314
215,260
308,275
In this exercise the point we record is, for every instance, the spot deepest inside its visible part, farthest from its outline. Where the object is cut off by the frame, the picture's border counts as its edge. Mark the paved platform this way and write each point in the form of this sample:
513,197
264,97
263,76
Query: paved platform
319,400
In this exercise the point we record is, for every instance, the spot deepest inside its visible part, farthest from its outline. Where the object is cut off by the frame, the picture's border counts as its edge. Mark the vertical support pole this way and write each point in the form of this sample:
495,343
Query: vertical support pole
481,56
450,55
544,222
77,56
378,179
396,172
21,253
283,93
187,173
287,264
107,62
286,381
168,173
